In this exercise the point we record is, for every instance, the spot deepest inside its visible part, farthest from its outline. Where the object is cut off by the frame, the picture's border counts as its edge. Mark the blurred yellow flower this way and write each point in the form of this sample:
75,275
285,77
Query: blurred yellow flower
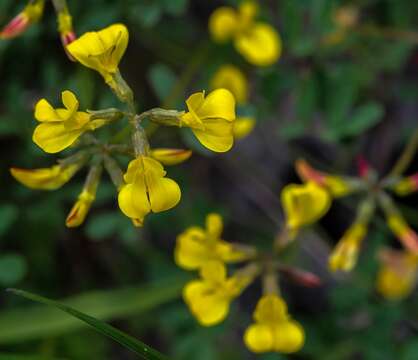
397,275
273,330
50,178
407,185
211,119
243,127
344,256
258,42
146,190
231,78
170,156
61,127
304,204
101,50
30,14
407,236
196,246
209,298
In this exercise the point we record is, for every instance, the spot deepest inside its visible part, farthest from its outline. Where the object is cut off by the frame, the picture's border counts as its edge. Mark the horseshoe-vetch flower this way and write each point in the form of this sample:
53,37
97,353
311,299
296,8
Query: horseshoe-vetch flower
209,298
102,51
211,118
273,329
258,42
61,127
304,204
146,189
196,246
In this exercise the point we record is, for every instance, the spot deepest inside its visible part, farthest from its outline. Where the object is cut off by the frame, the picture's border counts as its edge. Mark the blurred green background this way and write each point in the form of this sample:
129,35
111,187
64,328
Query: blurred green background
327,103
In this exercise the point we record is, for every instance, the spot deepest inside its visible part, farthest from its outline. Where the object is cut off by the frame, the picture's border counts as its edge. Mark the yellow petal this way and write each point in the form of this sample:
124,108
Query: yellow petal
289,337
214,225
209,307
304,204
170,156
70,102
217,136
259,338
44,112
101,50
53,137
223,23
213,272
191,250
231,78
271,309
220,103
260,45
133,201
243,126
163,193
46,178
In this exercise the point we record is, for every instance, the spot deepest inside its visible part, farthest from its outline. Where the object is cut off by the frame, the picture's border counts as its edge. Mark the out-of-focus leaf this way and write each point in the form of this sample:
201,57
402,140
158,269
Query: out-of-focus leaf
10,356
8,215
147,14
363,118
12,269
144,351
162,80
42,322
175,7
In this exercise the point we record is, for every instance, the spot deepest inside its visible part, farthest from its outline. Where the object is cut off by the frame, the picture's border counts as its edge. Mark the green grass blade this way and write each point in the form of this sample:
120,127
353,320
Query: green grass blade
42,322
138,347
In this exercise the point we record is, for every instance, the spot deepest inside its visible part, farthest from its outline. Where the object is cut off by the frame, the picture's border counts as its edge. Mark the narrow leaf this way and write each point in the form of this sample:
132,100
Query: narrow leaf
125,340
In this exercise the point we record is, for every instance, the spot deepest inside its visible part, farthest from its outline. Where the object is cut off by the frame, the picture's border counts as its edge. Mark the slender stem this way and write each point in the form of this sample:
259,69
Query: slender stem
60,5
389,33
406,157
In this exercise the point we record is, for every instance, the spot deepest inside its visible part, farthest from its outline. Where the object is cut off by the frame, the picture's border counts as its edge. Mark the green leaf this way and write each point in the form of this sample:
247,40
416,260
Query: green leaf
363,118
162,80
175,7
10,356
12,269
138,347
41,322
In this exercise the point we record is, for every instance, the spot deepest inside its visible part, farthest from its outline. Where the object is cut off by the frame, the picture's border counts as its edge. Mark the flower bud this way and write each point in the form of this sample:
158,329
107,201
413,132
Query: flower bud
170,156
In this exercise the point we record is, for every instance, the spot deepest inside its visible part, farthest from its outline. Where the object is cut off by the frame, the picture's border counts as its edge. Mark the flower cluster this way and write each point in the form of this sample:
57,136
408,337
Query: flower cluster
209,297
344,256
144,187
258,42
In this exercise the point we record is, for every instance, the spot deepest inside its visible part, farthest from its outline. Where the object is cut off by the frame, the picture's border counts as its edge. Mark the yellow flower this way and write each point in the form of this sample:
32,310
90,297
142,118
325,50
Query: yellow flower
243,127
61,127
407,236
304,204
80,209
397,275
196,246
101,50
211,119
146,190
231,78
273,330
30,14
336,185
209,298
344,256
258,42
407,185
65,28
170,156
50,178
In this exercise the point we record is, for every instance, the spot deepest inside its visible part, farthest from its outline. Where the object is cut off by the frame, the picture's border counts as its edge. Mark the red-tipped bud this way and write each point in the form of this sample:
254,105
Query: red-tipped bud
304,278
363,167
